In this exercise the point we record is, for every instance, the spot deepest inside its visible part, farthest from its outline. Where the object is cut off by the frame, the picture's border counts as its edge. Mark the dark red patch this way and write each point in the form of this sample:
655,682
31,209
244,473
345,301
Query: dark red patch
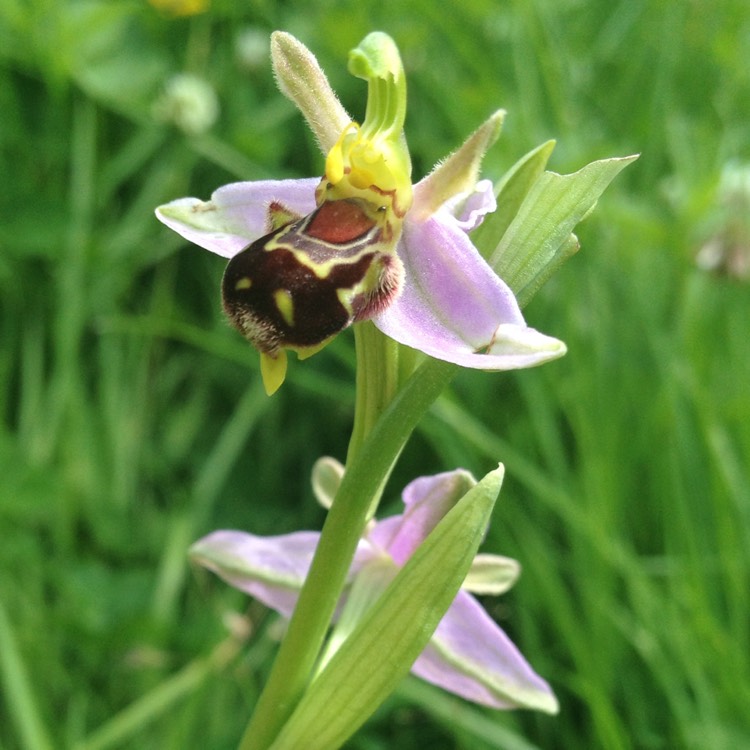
339,222
316,308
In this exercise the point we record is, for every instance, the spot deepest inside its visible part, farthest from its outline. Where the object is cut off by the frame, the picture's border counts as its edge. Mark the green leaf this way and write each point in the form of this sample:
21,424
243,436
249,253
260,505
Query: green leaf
539,237
510,192
358,677
568,248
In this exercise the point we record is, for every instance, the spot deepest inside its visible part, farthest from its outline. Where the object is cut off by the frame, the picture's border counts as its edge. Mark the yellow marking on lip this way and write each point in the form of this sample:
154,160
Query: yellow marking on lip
244,283
285,305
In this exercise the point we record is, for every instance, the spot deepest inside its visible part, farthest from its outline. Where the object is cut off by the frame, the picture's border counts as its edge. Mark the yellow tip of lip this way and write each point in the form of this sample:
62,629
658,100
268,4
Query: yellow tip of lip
273,371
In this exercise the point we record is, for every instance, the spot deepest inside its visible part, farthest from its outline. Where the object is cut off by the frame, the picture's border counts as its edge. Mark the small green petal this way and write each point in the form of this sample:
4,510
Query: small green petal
301,79
327,474
460,171
491,575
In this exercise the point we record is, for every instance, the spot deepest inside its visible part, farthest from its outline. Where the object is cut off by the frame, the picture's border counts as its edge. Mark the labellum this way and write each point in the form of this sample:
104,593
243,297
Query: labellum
310,278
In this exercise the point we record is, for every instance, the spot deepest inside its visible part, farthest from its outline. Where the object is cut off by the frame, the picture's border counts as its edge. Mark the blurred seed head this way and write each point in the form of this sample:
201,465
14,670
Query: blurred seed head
188,102
252,48
727,250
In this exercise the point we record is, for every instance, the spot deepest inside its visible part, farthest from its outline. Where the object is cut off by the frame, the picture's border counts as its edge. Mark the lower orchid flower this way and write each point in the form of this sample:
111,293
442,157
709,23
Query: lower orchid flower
469,654
309,257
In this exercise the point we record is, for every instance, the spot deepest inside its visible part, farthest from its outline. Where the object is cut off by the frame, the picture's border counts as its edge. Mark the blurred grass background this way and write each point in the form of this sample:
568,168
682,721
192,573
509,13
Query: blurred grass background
133,420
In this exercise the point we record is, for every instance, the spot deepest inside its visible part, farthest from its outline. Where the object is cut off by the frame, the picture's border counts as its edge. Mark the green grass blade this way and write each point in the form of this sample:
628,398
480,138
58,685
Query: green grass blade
18,691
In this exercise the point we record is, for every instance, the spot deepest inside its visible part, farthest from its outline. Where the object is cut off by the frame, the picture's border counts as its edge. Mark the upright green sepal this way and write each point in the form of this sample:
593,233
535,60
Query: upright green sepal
459,173
301,79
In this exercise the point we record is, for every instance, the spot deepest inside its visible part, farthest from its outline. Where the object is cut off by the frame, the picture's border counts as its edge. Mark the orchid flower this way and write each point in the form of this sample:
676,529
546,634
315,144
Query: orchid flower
468,654
309,257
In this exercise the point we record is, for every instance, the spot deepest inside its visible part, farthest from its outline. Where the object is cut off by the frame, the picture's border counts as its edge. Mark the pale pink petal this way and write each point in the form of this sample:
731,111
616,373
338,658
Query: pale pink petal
237,214
469,209
471,656
271,569
427,500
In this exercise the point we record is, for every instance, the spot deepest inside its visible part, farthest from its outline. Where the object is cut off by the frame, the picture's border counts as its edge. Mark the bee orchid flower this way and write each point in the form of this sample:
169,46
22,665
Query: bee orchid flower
309,257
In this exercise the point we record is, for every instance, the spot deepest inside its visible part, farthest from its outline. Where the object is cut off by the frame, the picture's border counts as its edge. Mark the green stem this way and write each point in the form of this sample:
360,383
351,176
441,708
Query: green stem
343,527
377,382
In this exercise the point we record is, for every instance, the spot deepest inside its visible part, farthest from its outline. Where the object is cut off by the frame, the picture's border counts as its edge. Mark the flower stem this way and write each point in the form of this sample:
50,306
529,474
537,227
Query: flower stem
363,480
377,381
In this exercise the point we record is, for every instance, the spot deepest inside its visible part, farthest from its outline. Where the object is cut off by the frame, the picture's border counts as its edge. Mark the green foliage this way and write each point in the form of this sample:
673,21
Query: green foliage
133,420
401,624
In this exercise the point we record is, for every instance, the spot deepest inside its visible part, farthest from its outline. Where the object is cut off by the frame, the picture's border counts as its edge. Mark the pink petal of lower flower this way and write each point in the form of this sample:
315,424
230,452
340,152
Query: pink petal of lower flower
471,656
427,500
271,569
237,214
